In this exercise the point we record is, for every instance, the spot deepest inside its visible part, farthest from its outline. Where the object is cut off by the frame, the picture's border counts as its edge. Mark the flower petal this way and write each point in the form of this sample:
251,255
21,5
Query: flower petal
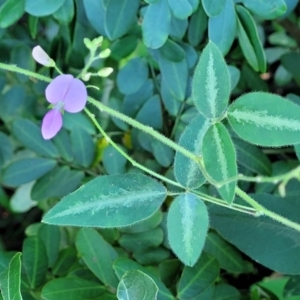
75,97
52,123
58,87
39,55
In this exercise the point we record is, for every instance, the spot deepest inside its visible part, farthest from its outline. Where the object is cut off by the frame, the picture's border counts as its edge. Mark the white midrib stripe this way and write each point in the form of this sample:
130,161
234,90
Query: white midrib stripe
263,119
221,157
211,90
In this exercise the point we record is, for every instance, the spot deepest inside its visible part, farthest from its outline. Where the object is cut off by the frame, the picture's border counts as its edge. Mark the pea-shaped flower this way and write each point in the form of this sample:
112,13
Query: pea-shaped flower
64,93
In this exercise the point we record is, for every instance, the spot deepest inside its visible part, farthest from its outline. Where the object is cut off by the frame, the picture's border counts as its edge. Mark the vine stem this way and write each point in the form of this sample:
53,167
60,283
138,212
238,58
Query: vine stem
144,128
264,211
163,178
259,208
123,153
28,73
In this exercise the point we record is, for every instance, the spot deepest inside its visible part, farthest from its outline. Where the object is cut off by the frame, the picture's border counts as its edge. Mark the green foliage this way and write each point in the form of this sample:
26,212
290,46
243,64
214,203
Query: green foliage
170,184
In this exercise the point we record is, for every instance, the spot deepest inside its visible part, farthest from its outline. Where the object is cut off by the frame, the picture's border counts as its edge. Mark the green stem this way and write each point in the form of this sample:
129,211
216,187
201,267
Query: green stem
123,153
16,69
144,128
89,63
263,211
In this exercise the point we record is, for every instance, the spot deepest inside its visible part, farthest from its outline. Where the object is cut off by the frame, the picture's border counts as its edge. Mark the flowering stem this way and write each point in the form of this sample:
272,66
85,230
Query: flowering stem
123,153
259,208
163,178
144,128
16,69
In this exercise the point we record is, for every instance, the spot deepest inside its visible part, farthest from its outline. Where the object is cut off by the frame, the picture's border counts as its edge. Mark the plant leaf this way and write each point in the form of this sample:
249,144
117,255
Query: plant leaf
10,279
135,285
265,119
71,288
211,83
187,171
97,254
121,200
266,241
187,227
220,159
156,24
197,279
222,27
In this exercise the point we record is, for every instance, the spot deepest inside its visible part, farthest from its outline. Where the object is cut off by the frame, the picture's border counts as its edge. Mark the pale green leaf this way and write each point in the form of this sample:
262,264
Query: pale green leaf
211,83
187,227
265,119
122,200
187,171
220,159
136,285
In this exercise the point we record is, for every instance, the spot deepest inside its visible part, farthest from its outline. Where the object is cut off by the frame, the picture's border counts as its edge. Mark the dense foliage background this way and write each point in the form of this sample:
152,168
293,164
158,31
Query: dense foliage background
155,46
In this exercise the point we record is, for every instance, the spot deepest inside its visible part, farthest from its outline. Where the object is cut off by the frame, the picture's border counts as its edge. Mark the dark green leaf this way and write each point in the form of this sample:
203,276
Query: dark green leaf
29,134
178,28
187,227
71,288
95,12
224,291
26,170
228,257
172,51
139,242
145,225
97,254
256,236
288,62
162,153
266,9
213,7
78,120
265,119
197,26
113,161
156,24
11,11
151,256
222,27
120,17
10,279
110,206
83,147
57,183
211,83
6,149
181,9
65,13
174,76
197,279
42,8
63,144
137,70
34,262
122,265
252,32
50,235
252,158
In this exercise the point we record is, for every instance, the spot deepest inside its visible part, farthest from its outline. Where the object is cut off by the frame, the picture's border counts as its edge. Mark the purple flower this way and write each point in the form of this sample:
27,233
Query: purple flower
64,93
